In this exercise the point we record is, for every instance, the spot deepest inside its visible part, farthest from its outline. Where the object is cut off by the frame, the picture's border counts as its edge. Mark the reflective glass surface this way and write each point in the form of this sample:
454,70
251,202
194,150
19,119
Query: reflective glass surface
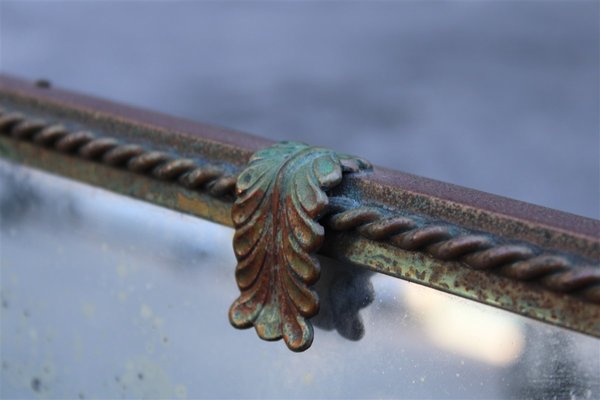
108,297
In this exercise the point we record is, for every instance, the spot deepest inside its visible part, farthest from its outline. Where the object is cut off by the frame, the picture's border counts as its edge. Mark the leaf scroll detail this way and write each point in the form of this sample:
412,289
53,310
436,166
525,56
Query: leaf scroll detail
280,196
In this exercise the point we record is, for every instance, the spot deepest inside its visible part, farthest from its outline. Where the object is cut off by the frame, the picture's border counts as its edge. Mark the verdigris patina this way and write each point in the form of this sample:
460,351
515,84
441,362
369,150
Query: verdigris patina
280,196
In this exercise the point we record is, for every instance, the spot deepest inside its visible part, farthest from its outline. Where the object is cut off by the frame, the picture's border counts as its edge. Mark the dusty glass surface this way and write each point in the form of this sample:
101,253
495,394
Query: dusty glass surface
108,297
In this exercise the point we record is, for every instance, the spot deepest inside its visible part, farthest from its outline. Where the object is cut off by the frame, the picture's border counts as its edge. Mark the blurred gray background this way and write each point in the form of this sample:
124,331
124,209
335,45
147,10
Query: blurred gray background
497,96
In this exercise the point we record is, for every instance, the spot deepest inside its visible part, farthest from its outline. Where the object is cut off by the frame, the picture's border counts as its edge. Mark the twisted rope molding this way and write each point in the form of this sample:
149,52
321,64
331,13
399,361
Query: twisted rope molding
110,151
445,242
520,262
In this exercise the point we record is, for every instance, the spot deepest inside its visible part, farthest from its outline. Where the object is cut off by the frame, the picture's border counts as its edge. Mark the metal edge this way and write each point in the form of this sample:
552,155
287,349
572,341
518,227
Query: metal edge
508,218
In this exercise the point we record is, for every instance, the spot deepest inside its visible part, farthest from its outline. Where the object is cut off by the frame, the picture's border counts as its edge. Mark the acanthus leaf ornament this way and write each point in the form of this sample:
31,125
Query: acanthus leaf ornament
280,196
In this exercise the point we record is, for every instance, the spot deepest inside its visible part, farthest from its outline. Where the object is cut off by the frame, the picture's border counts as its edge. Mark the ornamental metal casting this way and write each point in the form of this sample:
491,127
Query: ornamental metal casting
280,197
540,263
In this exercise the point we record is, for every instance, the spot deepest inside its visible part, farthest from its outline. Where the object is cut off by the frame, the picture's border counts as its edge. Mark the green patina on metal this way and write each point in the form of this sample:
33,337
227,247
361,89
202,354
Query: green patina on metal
166,194
478,285
280,197
526,259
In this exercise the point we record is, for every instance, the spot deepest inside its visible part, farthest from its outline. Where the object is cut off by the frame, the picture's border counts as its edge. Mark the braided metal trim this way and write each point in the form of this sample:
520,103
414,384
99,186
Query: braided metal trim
110,151
518,261
446,242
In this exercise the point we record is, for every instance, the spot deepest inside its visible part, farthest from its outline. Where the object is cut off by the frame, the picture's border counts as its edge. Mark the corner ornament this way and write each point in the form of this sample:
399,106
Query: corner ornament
280,196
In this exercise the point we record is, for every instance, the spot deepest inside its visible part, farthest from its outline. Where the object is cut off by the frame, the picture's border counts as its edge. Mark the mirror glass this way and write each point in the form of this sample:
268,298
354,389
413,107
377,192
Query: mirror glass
108,297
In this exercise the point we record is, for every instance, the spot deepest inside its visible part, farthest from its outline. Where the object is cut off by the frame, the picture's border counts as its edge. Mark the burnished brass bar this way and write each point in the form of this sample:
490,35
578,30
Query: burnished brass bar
523,258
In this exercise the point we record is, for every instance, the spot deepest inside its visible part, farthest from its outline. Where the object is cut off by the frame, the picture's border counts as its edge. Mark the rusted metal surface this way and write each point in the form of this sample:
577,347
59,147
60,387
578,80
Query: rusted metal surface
453,277
109,151
446,242
523,258
280,198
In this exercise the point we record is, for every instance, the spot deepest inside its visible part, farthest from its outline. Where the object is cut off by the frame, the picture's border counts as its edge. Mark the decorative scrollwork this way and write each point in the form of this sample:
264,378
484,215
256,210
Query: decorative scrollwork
280,198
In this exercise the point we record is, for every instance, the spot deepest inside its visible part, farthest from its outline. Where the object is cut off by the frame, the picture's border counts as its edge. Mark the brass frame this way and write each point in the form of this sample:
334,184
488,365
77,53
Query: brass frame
527,259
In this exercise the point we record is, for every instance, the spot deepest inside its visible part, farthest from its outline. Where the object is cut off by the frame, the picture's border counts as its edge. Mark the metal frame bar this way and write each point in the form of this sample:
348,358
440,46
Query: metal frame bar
527,259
